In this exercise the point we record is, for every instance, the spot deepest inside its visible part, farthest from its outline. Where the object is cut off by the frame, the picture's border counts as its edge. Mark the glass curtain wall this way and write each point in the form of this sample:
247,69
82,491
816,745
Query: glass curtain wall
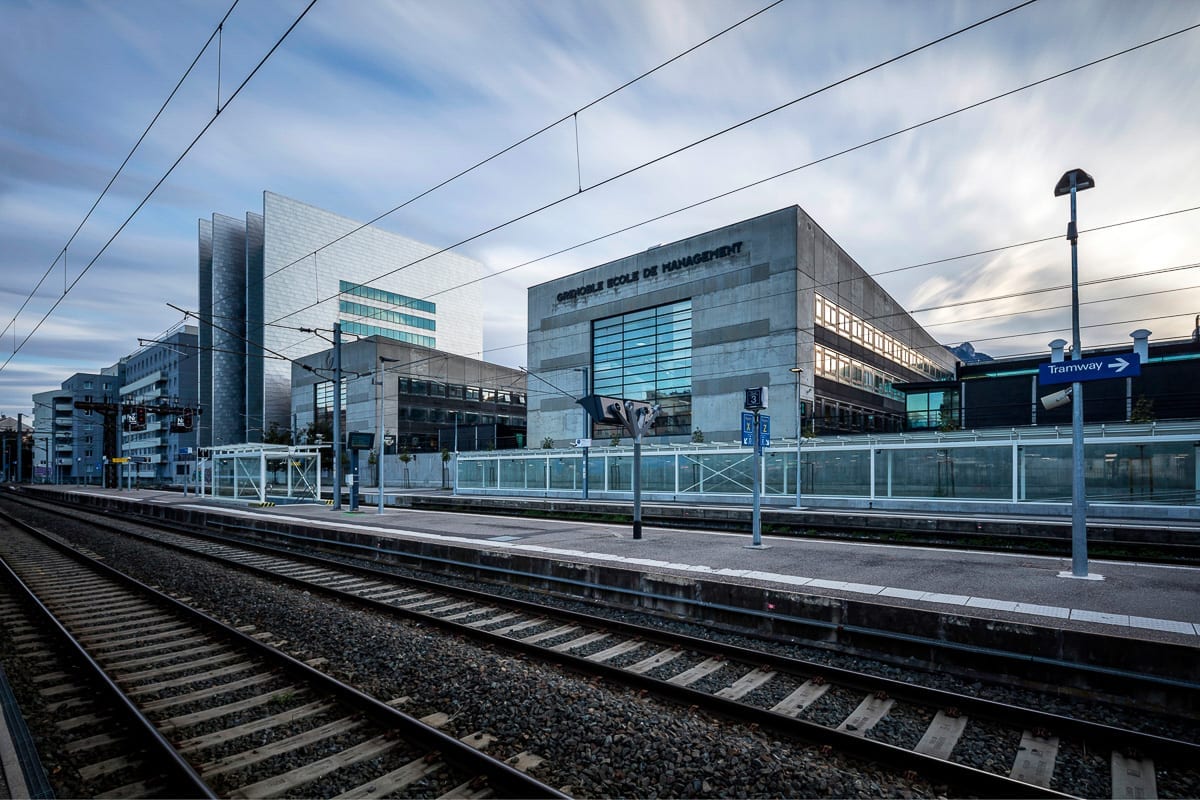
646,355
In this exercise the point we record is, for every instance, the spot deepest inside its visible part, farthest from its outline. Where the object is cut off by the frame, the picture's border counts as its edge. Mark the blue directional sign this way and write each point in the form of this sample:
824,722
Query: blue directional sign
764,430
1125,365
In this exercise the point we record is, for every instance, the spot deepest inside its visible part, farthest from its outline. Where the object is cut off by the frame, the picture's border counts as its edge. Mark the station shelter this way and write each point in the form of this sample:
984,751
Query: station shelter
262,473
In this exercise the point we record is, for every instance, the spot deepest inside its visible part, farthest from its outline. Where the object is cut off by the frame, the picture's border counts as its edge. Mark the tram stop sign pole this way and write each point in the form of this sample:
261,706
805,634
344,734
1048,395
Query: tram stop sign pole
637,418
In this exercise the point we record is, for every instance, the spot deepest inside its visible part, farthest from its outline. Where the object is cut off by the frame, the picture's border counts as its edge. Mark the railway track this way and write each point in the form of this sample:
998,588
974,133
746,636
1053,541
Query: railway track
231,715
875,718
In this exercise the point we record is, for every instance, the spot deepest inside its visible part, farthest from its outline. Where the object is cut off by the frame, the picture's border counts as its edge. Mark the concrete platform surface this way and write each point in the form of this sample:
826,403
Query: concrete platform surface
1136,600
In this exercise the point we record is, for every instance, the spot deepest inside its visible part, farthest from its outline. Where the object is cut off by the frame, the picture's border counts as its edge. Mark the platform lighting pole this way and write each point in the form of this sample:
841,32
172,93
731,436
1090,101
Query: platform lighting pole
454,482
799,372
379,429
337,416
584,433
1074,181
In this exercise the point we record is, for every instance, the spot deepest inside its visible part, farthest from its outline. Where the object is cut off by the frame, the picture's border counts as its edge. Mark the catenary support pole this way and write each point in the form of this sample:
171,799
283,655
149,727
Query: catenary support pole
337,416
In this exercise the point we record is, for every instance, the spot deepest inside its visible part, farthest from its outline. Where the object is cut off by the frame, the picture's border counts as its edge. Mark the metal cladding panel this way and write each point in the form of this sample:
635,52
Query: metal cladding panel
255,427
229,330
205,389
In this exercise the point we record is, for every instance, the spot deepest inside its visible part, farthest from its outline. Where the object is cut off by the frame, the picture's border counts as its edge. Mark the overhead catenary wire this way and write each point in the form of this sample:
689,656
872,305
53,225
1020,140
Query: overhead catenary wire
776,176
572,115
156,185
70,239
707,138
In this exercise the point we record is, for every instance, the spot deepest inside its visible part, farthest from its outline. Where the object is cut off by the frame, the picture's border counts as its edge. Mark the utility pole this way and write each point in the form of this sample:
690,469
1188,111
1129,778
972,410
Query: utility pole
20,448
585,433
337,416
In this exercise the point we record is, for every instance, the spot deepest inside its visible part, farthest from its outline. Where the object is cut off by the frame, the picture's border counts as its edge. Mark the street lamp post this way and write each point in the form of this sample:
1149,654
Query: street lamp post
584,432
798,371
379,430
1071,182
454,482
337,416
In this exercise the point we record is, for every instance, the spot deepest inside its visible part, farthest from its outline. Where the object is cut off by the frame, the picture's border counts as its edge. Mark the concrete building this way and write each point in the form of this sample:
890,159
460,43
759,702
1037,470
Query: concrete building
68,443
162,374
1007,392
272,285
430,398
690,325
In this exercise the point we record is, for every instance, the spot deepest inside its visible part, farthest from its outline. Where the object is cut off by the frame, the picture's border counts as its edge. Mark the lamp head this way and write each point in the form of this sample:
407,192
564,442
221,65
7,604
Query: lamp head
1082,181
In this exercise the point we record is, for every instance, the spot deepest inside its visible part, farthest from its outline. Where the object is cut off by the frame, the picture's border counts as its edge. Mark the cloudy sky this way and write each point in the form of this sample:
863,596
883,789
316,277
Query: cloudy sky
367,104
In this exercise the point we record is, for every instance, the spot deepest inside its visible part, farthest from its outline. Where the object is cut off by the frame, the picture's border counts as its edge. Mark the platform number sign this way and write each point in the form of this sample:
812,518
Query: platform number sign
756,399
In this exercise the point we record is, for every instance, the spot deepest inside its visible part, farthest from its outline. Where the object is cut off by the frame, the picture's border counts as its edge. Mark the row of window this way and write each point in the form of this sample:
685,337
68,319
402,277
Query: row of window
849,371
359,329
390,298
384,315
832,316
426,388
443,416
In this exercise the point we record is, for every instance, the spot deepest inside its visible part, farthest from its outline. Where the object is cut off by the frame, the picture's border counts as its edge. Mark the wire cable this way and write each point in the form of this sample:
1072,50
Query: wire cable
63,253
156,186
709,137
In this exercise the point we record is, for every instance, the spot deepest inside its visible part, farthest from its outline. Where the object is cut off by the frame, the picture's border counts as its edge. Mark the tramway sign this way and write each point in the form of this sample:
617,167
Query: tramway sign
1125,365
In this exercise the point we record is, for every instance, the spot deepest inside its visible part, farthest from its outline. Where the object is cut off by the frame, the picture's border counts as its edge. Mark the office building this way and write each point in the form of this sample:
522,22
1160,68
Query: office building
68,442
163,374
273,284
692,324
431,398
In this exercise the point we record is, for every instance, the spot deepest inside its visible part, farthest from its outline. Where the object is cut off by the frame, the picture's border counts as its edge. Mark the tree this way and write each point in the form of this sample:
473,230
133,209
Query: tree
615,440
698,436
548,443
405,457
1143,410
445,465
276,435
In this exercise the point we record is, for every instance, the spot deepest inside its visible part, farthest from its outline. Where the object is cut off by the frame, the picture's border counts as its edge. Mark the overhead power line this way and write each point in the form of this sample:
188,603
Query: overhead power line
744,187
687,147
157,184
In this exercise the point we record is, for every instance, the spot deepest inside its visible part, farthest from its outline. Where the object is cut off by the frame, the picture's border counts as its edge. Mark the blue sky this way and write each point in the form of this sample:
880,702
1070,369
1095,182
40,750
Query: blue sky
369,103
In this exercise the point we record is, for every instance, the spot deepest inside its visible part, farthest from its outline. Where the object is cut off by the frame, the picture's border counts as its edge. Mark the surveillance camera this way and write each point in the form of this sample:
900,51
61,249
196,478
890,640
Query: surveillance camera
1057,400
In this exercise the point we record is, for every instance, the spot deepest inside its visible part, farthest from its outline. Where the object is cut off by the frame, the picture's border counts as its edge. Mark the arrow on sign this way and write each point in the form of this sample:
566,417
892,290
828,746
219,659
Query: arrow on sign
1119,365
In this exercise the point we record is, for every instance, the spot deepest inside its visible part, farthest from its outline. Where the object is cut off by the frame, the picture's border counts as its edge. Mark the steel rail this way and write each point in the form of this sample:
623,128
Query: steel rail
962,776
184,779
500,775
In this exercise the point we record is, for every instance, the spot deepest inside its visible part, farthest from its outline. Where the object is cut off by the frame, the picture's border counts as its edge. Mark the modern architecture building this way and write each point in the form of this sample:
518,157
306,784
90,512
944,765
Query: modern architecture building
163,374
68,442
769,302
430,398
1007,392
272,285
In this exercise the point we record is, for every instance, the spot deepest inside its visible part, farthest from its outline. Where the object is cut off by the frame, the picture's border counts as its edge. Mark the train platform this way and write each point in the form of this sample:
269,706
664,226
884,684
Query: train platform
1138,601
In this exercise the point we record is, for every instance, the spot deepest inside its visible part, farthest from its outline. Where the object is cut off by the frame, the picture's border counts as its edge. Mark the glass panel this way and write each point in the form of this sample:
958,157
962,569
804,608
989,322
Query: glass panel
658,473
565,473
977,473
840,472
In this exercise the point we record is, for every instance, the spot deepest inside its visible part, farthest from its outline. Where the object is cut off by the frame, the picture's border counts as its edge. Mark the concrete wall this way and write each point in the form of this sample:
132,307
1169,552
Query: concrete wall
744,321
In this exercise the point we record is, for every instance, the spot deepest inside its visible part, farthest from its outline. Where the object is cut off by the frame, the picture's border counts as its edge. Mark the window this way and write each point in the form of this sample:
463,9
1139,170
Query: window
646,355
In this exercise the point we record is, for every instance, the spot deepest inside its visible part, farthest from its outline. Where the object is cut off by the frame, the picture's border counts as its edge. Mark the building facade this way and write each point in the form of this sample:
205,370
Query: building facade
68,442
1007,392
272,285
429,395
163,374
692,324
